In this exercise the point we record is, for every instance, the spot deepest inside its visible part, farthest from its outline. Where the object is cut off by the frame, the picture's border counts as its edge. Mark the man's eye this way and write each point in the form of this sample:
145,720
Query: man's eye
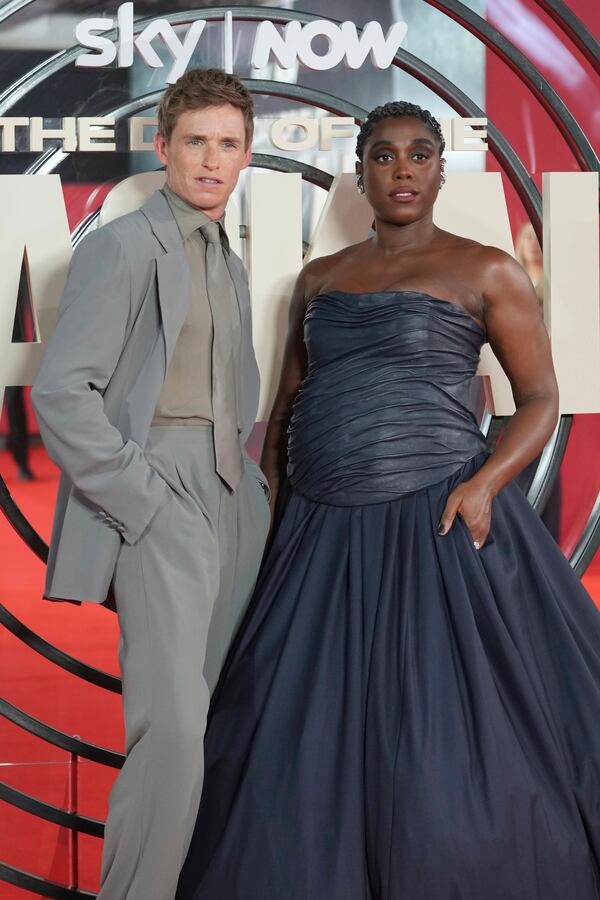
420,155
383,156
194,142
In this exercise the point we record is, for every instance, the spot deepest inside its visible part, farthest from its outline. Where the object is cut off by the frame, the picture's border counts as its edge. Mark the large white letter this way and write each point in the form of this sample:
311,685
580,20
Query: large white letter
345,219
335,52
310,127
345,125
67,134
137,124
125,25
275,258
84,36
382,49
7,130
284,47
571,286
37,233
469,134
483,218
96,134
181,52
144,44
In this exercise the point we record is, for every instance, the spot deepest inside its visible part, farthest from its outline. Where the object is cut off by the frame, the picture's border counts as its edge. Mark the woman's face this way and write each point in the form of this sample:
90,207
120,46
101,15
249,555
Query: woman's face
401,170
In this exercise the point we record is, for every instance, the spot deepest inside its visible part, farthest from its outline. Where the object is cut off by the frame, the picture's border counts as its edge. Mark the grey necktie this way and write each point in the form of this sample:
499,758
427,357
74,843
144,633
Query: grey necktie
225,315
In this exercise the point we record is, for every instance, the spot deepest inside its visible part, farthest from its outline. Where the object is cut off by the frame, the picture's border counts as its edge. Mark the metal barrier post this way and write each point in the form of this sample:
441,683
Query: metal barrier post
73,834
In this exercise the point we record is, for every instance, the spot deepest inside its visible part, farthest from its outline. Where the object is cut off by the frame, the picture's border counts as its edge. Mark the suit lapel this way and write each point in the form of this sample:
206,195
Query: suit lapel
174,292
172,270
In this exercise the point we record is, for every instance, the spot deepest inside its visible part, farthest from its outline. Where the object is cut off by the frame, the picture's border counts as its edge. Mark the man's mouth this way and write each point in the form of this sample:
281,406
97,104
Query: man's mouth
209,181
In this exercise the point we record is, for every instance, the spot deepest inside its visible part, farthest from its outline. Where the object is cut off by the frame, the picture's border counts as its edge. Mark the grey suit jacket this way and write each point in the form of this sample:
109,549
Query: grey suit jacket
124,303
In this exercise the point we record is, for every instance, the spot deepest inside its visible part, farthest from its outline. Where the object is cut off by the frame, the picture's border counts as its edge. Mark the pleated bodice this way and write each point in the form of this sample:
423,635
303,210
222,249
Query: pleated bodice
384,408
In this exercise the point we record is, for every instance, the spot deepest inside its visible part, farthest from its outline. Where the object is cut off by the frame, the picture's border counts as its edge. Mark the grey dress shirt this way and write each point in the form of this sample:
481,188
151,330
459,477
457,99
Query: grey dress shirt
186,395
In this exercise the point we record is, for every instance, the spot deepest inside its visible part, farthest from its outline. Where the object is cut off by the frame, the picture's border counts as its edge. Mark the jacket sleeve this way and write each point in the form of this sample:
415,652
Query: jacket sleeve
79,360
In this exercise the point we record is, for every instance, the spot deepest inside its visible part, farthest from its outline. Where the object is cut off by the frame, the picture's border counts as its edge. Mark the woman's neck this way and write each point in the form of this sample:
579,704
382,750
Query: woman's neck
392,238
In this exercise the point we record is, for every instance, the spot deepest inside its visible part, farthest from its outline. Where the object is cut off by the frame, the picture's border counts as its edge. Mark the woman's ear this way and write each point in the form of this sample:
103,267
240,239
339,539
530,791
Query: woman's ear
359,178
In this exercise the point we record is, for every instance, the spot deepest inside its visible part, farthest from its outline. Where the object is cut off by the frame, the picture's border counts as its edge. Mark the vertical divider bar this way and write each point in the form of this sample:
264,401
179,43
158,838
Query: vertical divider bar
228,41
73,834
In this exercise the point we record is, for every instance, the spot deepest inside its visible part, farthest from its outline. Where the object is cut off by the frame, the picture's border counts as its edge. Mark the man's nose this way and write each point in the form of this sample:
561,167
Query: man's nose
210,158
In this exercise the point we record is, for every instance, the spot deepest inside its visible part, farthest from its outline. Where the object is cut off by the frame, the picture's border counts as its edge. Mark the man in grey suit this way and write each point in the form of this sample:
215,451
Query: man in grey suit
145,397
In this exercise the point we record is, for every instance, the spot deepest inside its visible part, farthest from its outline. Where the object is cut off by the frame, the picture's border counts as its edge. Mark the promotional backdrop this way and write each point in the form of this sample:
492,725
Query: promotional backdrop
516,85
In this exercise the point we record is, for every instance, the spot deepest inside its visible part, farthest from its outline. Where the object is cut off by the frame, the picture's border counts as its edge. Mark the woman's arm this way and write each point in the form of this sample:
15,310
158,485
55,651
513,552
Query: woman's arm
274,453
519,339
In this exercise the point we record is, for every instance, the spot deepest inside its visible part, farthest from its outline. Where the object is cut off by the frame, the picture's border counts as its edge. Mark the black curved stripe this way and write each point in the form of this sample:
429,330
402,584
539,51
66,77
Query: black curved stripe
589,541
37,885
529,75
551,474
59,738
572,26
283,164
49,812
22,526
59,657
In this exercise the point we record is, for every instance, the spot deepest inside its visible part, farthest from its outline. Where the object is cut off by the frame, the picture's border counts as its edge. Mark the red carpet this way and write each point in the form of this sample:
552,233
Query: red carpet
51,694
57,697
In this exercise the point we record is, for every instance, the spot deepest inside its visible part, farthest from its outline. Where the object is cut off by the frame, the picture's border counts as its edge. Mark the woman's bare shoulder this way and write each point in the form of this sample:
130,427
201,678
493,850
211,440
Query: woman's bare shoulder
479,256
319,271
482,264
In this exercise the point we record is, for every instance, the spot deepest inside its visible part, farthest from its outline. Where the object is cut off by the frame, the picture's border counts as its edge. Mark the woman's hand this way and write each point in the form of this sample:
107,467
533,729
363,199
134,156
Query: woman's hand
518,337
472,500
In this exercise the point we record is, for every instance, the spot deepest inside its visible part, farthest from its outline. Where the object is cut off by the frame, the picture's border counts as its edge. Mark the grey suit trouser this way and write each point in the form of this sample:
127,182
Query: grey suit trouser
180,593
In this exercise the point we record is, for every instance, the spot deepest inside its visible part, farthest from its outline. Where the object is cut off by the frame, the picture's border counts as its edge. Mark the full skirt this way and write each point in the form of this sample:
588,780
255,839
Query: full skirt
403,717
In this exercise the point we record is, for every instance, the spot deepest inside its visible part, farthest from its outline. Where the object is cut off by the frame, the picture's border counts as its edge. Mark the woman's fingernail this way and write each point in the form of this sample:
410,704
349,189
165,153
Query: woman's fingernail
440,528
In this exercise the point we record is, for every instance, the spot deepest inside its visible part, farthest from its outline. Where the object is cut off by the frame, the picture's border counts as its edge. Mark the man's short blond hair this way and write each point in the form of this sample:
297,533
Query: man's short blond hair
199,88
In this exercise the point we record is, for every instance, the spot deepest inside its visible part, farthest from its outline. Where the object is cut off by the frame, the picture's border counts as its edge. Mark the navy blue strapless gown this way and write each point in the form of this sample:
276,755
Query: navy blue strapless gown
401,717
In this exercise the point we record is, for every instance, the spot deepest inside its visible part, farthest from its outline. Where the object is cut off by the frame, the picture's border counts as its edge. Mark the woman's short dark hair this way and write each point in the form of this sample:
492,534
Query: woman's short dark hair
397,109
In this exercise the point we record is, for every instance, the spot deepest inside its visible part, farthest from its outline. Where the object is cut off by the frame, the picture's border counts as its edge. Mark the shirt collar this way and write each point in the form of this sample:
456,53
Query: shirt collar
189,219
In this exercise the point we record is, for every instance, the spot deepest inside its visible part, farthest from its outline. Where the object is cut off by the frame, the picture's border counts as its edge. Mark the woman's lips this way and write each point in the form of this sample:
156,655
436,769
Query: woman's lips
404,196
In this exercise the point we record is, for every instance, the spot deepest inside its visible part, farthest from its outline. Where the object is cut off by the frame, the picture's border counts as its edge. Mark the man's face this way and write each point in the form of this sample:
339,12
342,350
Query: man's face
205,155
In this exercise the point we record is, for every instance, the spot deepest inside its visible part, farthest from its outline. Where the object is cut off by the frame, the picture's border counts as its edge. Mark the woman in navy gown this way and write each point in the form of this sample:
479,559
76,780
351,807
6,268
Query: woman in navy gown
411,710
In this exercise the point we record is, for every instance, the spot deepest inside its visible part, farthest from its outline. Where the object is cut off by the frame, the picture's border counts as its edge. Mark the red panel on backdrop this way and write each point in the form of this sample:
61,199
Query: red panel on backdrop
515,110
541,147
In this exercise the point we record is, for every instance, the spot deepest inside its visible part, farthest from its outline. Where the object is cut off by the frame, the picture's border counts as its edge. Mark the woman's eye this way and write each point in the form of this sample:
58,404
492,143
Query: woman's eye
383,156
420,156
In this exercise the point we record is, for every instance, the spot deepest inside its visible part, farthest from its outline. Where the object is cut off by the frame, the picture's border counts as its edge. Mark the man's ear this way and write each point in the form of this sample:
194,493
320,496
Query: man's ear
160,148
247,157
